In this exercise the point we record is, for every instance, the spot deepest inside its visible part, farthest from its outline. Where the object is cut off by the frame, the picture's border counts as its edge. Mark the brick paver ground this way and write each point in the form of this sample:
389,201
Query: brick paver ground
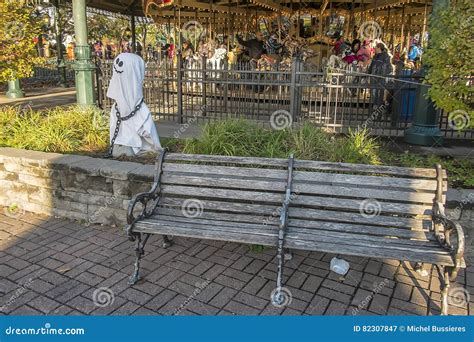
58,267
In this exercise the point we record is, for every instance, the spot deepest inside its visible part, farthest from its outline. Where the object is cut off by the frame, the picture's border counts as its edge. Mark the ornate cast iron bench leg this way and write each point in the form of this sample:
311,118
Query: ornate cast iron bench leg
445,237
139,252
445,282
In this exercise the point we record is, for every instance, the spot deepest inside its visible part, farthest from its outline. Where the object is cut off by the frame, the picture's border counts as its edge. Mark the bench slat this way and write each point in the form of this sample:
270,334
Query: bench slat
344,205
179,230
362,239
233,217
363,168
195,192
207,222
356,192
338,216
361,229
223,182
342,247
243,172
364,181
255,161
228,207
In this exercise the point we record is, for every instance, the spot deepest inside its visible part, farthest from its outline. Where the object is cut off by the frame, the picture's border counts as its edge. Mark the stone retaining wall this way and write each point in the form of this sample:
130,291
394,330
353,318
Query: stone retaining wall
89,189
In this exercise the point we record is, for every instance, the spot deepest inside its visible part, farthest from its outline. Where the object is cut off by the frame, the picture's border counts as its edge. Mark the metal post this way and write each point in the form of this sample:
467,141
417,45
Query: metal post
204,84
83,66
59,49
14,90
425,129
295,100
179,74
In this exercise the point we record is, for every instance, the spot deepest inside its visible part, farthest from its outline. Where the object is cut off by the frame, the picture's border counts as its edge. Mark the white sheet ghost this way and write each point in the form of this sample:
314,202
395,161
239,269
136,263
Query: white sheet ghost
139,132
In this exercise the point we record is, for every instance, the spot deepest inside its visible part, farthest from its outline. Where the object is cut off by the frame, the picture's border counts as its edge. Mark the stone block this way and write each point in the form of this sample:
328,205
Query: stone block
106,215
121,188
145,173
8,176
40,195
69,214
118,169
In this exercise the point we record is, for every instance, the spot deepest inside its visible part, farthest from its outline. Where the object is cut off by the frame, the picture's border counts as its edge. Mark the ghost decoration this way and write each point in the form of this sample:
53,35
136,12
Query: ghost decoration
130,116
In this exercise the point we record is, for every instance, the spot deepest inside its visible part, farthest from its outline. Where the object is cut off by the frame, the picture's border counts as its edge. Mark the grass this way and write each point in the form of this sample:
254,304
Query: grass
84,130
460,171
244,138
71,129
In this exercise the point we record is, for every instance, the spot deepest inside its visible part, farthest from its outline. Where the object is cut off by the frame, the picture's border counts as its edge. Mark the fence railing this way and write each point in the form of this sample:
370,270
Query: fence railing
203,90
49,74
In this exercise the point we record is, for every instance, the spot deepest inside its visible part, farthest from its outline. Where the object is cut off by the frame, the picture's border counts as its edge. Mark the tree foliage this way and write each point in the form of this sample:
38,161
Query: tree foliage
449,57
19,29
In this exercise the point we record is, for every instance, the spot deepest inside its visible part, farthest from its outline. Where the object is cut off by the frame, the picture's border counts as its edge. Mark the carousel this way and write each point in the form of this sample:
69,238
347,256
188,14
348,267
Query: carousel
218,59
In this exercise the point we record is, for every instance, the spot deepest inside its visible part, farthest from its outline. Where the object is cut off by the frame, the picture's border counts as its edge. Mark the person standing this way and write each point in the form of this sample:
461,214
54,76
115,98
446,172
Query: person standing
380,67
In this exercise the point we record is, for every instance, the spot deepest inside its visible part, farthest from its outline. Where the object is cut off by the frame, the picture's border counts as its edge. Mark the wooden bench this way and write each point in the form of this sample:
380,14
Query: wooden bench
364,210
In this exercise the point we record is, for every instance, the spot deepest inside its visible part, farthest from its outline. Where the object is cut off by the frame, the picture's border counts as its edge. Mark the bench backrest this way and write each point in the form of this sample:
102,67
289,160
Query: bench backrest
253,189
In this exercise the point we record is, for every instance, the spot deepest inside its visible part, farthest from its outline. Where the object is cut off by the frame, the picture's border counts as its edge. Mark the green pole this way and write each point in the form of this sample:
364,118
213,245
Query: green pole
83,66
14,90
425,130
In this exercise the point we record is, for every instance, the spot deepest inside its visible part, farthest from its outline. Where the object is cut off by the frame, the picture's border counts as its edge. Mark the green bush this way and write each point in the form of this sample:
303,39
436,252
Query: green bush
307,141
61,129
460,171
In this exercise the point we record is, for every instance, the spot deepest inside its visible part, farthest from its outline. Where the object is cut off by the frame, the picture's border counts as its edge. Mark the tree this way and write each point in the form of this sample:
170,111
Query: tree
17,41
449,60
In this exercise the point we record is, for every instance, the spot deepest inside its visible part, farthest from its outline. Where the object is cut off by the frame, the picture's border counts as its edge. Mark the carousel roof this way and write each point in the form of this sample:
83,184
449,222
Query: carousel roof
244,8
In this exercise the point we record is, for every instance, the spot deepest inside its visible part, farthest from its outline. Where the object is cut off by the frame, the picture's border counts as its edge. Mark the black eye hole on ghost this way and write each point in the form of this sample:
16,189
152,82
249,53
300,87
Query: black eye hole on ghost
118,63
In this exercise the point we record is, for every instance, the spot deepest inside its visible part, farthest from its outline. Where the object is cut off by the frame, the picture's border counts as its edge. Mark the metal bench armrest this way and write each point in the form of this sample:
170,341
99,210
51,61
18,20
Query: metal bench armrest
145,198
450,227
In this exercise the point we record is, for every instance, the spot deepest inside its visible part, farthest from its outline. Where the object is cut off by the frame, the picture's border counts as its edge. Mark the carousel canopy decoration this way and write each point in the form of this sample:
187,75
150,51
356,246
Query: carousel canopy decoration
149,5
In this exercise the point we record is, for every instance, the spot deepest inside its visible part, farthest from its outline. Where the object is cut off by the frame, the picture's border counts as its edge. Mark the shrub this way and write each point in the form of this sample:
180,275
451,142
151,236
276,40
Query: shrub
61,129
307,141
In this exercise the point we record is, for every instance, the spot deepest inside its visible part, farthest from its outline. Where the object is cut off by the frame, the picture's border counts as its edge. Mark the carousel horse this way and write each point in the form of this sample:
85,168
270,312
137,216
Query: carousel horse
217,62
192,65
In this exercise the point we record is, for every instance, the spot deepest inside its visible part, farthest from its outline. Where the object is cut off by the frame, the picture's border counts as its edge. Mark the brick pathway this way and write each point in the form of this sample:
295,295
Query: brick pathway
55,266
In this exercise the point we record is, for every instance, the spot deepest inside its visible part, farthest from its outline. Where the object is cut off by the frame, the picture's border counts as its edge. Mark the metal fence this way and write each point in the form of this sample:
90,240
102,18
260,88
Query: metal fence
48,74
339,100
